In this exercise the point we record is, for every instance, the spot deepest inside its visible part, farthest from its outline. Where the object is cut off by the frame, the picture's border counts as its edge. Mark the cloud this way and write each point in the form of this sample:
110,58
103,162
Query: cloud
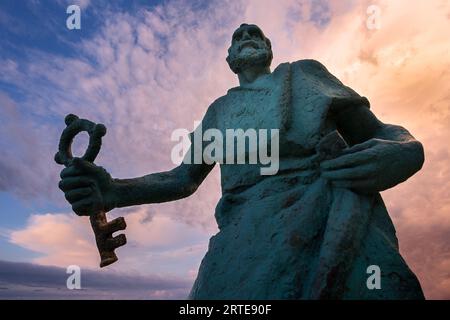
21,170
62,239
156,244
83,4
150,72
141,95
31,281
409,85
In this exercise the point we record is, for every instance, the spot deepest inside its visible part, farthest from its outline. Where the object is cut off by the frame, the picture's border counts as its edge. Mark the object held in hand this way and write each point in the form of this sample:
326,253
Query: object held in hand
331,145
103,229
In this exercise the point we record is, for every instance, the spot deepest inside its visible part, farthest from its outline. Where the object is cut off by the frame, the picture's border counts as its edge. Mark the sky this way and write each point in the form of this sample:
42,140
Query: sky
146,68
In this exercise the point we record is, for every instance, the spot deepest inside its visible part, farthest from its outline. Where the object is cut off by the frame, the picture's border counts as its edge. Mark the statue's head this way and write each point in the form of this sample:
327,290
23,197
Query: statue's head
249,47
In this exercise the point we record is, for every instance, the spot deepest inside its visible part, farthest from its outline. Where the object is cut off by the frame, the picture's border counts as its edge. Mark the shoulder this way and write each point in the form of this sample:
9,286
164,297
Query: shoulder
309,64
210,116
342,96
217,104
314,68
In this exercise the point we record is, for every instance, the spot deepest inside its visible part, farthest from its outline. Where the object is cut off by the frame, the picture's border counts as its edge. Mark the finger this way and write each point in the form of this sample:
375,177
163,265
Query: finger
359,172
84,166
348,160
83,207
77,194
70,171
75,182
359,147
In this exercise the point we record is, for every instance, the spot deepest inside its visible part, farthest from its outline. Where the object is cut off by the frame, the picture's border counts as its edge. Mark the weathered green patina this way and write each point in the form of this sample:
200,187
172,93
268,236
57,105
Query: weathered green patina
311,230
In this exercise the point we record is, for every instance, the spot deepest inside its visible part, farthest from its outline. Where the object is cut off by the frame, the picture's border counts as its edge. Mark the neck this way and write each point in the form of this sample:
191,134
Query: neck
251,74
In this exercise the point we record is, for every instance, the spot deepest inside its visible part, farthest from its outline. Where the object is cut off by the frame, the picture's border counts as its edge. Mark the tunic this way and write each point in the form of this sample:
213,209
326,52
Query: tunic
293,235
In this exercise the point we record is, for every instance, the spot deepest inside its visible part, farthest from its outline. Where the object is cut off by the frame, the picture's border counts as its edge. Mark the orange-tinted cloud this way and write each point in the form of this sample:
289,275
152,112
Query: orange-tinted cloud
156,244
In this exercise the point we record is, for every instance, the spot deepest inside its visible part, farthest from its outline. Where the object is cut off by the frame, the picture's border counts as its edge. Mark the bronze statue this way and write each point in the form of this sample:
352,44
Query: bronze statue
310,231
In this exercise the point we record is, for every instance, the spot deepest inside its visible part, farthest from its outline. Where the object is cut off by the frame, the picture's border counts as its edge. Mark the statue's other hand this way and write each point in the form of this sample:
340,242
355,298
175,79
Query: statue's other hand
87,187
373,165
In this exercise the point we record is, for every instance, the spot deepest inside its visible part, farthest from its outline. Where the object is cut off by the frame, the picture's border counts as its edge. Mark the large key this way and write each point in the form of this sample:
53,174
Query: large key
103,229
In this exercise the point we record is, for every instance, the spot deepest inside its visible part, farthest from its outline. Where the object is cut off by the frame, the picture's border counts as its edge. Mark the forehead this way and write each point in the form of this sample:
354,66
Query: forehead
251,28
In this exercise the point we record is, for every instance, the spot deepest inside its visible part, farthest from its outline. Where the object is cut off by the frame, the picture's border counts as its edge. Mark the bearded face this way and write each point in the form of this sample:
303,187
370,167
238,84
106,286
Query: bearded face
249,47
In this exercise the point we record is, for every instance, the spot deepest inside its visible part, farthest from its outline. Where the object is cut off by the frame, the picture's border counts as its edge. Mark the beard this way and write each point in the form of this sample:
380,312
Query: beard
239,60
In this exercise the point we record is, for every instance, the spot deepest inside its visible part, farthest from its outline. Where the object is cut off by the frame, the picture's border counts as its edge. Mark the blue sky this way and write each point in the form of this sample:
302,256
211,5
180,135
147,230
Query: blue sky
31,32
28,26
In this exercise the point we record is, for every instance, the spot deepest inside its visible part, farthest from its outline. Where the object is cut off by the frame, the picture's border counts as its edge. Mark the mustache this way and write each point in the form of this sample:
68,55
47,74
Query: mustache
251,43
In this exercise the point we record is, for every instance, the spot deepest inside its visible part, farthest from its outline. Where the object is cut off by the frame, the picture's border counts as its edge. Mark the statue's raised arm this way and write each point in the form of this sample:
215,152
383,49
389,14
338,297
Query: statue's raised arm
88,187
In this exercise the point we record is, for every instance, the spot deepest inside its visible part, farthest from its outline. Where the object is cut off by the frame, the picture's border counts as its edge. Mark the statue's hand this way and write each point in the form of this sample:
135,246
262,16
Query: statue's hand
87,187
374,165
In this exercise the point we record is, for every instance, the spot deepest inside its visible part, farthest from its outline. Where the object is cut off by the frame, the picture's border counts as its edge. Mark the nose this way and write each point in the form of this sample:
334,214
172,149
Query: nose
245,35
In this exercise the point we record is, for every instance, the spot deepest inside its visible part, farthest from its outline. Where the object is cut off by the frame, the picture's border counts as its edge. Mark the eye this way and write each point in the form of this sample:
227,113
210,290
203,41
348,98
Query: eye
254,33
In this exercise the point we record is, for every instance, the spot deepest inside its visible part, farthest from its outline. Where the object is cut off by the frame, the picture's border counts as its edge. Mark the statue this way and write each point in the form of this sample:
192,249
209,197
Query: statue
313,229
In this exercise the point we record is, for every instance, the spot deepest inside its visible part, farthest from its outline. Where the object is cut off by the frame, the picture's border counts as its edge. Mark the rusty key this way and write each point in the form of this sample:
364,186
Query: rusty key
103,229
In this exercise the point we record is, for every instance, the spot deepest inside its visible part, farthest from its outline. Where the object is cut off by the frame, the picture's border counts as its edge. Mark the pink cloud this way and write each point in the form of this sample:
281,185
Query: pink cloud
156,245
61,239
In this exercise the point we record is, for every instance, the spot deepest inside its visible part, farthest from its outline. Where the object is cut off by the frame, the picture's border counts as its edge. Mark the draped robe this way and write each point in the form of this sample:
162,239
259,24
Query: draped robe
293,235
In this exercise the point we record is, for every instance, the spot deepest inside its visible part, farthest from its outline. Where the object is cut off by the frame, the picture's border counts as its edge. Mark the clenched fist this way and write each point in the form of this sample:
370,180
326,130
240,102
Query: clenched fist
87,187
